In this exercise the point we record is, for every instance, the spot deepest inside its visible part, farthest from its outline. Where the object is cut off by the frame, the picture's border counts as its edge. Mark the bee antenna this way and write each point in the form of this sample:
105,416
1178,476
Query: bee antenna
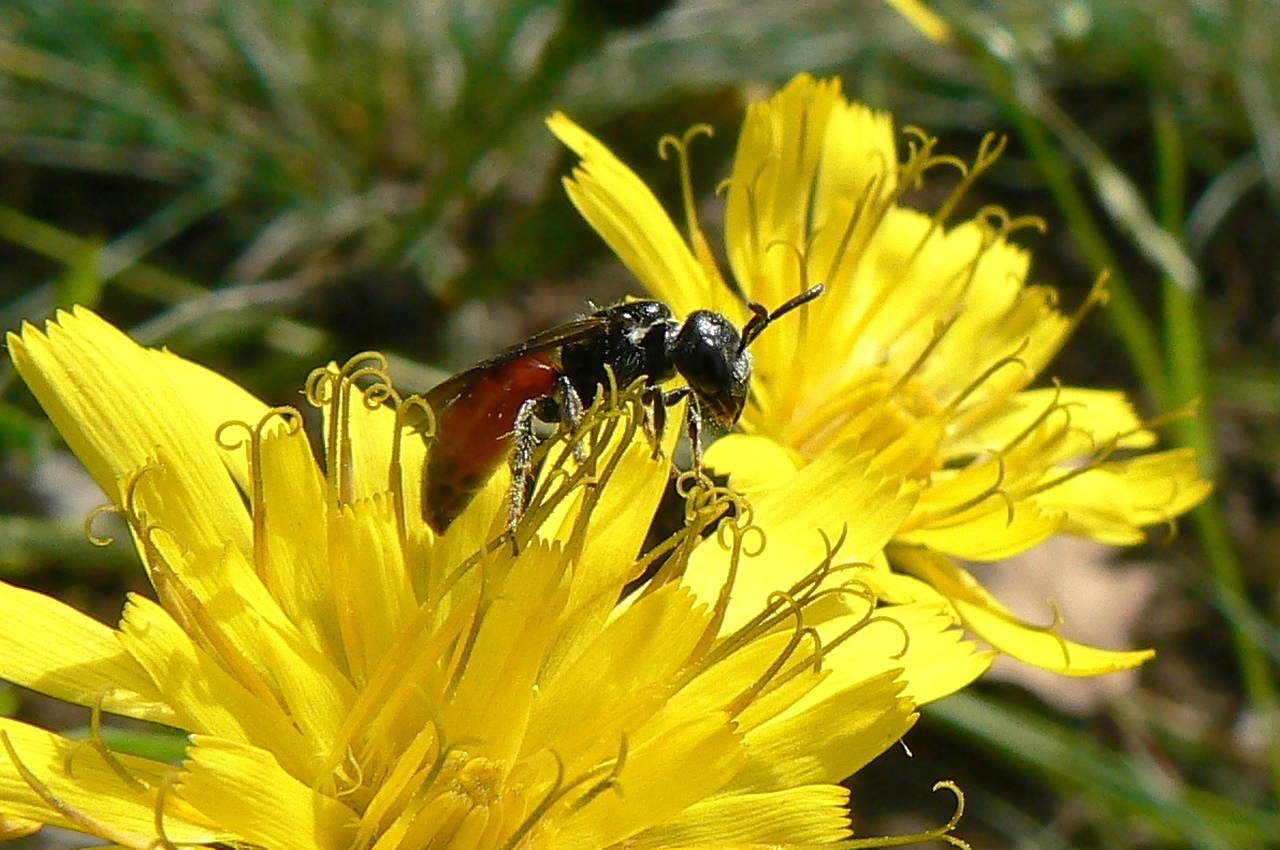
761,318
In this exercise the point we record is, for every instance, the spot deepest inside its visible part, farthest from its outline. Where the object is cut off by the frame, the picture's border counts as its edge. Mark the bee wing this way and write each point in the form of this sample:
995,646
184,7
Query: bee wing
573,330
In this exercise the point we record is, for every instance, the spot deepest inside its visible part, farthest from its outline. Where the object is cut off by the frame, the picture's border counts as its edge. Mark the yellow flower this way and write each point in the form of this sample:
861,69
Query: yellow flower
350,680
921,350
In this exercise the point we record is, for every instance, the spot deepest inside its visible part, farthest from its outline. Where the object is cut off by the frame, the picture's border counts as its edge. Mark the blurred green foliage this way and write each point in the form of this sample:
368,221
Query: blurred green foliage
264,184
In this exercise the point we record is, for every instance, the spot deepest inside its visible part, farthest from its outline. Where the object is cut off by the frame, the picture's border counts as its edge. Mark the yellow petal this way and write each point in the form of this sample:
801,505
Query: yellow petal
657,635
843,498
499,683
1045,649
114,801
811,814
674,767
810,173
757,464
939,659
1103,413
234,785
206,699
212,400
291,506
253,636
623,210
370,587
11,827
52,648
856,723
804,152
921,641
619,515
988,532
996,624
115,405
619,450
483,519
1112,503
996,317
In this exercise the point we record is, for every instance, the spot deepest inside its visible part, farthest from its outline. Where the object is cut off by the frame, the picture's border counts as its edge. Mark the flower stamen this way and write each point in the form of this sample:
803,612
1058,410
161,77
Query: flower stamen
990,150
669,146
611,781
96,741
198,622
101,510
553,795
1013,359
942,833
291,419
330,390
744,699
940,329
162,795
862,209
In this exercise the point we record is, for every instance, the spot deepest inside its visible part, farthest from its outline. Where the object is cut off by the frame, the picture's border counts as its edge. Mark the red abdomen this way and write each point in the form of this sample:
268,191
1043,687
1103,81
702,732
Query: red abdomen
475,432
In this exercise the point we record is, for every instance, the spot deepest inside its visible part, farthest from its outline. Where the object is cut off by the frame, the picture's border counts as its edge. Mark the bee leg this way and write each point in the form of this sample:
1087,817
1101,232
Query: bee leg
660,401
693,421
569,409
655,424
526,440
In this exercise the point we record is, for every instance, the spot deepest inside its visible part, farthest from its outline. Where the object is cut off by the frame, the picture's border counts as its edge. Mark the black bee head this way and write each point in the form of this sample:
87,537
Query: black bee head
709,354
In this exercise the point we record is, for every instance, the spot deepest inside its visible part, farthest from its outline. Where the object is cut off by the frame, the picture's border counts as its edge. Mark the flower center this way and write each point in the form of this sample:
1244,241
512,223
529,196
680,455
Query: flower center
470,804
475,782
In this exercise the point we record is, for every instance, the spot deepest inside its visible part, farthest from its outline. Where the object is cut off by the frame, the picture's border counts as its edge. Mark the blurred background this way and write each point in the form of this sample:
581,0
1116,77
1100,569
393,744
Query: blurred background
265,185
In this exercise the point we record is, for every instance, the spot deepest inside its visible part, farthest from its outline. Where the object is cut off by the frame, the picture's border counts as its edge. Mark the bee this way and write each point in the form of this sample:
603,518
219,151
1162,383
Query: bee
488,411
